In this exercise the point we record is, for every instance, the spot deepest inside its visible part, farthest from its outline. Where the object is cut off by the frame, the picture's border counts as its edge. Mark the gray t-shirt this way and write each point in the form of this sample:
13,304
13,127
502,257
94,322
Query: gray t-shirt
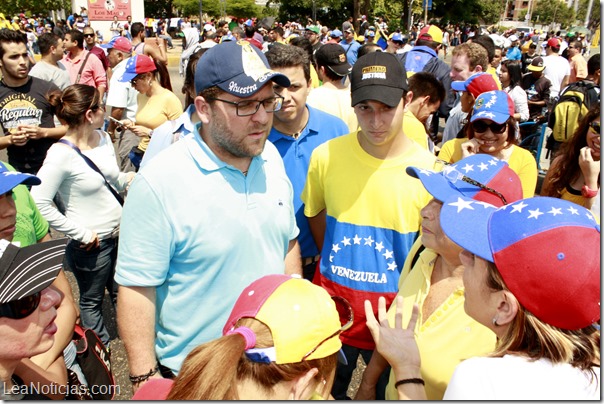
48,72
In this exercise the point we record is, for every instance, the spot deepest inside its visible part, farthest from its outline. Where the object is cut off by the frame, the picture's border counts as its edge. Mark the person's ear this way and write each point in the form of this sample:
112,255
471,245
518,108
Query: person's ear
303,387
408,97
507,308
203,109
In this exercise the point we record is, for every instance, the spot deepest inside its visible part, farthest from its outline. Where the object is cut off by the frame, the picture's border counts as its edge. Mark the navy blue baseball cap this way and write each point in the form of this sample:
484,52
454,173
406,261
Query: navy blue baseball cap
238,68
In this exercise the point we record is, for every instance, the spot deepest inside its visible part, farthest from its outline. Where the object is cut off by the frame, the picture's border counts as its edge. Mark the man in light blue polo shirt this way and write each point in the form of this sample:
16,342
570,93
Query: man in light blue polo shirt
206,217
297,130
351,46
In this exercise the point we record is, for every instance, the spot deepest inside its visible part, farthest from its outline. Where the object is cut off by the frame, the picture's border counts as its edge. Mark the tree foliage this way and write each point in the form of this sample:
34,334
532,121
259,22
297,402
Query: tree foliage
328,12
552,11
31,7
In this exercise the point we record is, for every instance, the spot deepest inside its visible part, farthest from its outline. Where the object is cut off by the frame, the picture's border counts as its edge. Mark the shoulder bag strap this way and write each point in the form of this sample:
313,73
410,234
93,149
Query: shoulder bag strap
95,168
82,68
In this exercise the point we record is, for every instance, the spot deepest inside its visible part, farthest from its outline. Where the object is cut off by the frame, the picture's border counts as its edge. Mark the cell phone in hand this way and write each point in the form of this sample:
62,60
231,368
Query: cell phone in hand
118,123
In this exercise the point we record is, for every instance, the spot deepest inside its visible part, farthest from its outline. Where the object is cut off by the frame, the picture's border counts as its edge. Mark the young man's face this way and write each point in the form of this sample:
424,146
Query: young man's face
68,43
89,37
15,63
460,68
380,125
8,216
59,50
294,96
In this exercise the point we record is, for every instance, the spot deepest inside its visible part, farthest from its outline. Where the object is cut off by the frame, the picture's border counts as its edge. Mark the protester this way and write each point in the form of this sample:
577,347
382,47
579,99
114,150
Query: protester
122,99
511,79
548,345
557,68
297,130
351,47
156,102
492,131
83,66
333,96
574,175
90,43
92,212
280,342
173,131
537,88
423,99
578,64
49,68
27,310
432,277
139,47
172,263
363,210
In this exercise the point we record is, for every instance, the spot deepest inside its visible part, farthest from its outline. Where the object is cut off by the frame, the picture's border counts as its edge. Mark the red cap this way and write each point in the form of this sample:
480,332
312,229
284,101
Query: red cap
553,42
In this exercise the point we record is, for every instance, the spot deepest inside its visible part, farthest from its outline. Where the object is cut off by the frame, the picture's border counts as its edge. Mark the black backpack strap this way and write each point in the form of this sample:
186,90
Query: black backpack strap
95,168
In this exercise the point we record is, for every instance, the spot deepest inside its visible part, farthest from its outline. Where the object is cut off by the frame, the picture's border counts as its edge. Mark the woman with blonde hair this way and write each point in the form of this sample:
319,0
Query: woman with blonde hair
574,175
527,280
281,342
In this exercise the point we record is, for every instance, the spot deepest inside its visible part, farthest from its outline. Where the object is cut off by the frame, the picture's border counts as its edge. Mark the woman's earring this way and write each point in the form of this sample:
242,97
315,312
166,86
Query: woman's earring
495,322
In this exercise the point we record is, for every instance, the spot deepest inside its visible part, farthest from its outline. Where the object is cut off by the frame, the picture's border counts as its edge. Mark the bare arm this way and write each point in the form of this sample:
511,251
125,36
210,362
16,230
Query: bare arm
564,82
36,132
136,324
374,369
116,113
317,226
293,259
55,374
158,53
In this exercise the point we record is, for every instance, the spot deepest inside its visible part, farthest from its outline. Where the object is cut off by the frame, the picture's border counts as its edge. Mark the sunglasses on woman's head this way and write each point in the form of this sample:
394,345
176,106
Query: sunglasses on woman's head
21,308
481,126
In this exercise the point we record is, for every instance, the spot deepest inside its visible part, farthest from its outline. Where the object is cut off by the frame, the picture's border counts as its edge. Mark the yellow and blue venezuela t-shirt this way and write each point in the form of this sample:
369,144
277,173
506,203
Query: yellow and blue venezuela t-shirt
373,218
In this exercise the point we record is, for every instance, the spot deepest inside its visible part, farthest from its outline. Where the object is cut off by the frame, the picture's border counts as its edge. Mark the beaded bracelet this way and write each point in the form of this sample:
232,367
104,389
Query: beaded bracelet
145,377
416,380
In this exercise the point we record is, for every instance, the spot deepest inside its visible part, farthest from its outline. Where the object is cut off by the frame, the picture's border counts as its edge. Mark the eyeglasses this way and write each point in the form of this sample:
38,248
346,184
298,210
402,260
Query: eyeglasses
134,81
95,107
346,319
250,107
453,176
21,308
481,126
88,35
595,126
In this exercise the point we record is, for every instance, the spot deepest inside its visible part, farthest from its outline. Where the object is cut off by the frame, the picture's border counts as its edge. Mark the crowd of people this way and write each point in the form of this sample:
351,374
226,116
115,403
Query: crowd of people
259,239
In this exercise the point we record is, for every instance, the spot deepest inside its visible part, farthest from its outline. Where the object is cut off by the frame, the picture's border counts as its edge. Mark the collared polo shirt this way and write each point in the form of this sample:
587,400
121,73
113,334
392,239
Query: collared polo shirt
199,231
320,128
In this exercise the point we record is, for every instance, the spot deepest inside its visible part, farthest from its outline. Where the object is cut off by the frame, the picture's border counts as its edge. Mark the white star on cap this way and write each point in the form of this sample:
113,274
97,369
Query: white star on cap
335,248
462,204
346,241
392,266
483,166
489,115
368,241
518,207
573,210
555,211
493,162
484,204
379,246
331,258
388,254
357,239
590,217
425,172
7,173
534,214
468,167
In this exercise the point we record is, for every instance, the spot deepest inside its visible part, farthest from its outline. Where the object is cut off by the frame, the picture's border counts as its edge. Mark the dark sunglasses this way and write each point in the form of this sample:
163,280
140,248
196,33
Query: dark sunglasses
21,308
346,318
453,176
88,35
481,126
595,126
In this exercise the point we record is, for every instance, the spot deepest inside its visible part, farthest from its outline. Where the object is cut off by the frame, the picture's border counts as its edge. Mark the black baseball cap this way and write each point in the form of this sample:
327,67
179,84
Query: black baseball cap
28,270
378,76
333,56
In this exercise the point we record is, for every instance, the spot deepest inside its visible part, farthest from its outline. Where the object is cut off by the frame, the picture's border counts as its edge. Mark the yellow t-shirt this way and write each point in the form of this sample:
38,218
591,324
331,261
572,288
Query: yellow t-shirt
493,72
521,161
155,110
336,102
447,337
415,130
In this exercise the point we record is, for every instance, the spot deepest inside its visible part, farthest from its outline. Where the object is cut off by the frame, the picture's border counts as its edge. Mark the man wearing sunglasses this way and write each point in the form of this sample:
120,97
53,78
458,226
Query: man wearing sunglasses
90,44
27,310
82,66
205,217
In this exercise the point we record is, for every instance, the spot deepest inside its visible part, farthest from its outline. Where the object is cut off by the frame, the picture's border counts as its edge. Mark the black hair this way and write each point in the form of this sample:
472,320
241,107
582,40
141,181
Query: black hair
10,36
46,40
77,36
514,71
486,42
593,64
136,28
368,48
425,83
288,56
